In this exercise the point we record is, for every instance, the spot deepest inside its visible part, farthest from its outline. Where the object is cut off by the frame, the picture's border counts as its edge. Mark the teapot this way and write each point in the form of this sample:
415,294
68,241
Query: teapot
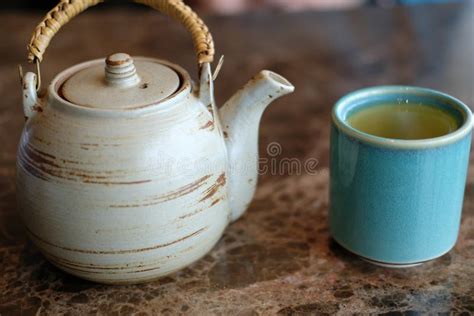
127,170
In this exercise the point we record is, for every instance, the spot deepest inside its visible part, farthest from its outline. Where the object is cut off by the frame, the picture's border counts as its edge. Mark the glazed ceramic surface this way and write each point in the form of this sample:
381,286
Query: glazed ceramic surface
397,202
116,195
126,170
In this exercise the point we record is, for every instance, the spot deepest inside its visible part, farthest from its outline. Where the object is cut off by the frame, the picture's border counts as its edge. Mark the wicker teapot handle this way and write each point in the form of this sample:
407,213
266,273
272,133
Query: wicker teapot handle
67,9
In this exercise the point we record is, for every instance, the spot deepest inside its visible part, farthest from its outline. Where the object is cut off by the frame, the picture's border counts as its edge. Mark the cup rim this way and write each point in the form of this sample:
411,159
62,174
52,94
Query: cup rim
370,92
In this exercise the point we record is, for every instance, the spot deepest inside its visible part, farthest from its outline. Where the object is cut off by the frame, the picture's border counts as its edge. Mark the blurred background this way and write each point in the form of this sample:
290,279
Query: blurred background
238,6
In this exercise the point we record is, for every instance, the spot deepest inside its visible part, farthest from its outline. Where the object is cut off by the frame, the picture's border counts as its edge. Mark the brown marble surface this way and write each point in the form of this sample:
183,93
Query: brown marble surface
279,258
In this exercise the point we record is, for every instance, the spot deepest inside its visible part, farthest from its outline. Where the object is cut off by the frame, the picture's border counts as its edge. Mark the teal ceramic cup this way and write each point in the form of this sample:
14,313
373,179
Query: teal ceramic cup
397,202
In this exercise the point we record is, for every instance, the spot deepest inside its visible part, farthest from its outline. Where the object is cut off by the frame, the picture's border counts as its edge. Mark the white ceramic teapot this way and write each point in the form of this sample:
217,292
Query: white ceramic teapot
126,169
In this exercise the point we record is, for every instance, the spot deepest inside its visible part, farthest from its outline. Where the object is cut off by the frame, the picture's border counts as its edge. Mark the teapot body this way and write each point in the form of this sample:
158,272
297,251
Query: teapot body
127,172
123,196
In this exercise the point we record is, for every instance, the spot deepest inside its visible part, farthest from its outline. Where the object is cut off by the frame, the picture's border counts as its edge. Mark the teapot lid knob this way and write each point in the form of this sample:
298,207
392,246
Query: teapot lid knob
120,70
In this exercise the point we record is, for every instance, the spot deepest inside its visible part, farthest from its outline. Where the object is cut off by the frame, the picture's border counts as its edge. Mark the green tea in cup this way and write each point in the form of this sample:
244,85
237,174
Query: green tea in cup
404,121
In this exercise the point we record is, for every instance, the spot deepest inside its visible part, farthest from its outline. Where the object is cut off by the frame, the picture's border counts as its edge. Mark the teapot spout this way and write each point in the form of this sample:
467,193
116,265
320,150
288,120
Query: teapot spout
240,118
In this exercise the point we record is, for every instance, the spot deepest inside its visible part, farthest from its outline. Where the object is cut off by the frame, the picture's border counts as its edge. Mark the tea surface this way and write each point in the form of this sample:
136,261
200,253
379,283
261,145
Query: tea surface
404,121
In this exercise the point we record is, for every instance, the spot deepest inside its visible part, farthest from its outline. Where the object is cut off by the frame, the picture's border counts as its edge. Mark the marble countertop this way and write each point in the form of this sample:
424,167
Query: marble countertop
279,258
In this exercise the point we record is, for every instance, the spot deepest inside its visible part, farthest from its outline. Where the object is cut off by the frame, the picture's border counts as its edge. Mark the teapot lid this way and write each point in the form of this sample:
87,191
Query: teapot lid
121,84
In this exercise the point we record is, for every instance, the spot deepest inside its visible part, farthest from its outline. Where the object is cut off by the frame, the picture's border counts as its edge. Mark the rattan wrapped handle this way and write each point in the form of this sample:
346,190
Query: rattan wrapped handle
67,9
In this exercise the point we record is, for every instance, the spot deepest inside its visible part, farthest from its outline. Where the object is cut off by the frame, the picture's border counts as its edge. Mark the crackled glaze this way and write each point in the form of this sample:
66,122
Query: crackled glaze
397,202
